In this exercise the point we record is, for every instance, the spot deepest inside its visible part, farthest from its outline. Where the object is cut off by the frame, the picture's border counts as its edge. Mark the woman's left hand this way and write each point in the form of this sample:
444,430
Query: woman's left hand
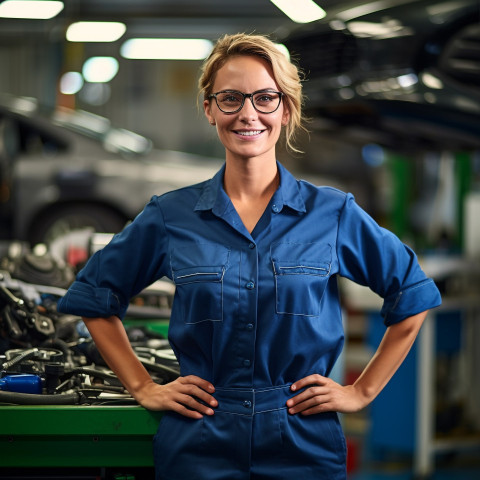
322,394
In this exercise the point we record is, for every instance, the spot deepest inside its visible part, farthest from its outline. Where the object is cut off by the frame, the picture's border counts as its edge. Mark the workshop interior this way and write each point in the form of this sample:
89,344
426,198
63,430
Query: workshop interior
99,111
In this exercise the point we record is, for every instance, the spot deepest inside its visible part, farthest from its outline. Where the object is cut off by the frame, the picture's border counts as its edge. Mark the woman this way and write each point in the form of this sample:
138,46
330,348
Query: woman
256,323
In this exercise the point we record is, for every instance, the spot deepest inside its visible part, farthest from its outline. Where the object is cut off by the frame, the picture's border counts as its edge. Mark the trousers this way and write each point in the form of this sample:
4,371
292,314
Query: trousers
251,436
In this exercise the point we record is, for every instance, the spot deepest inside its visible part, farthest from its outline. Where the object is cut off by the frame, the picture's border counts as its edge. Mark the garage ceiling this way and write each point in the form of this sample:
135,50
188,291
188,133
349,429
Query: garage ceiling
179,18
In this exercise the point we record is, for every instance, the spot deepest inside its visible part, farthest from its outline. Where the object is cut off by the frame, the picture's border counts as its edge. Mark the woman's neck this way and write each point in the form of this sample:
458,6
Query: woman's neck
251,179
250,186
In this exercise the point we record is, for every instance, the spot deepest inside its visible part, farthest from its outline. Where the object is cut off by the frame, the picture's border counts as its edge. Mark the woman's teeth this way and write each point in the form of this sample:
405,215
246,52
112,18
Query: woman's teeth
250,133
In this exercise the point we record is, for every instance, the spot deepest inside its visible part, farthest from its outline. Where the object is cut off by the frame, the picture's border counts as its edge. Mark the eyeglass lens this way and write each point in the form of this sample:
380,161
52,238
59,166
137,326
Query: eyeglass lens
265,102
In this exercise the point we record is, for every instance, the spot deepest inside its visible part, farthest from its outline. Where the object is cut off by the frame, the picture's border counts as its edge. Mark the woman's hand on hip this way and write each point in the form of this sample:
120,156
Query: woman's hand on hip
189,396
322,394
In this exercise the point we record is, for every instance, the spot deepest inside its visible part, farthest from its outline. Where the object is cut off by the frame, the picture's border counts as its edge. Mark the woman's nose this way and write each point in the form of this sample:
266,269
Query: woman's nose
248,112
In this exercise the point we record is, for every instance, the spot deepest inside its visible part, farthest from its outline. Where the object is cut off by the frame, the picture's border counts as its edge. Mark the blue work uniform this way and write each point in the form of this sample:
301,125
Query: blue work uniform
253,313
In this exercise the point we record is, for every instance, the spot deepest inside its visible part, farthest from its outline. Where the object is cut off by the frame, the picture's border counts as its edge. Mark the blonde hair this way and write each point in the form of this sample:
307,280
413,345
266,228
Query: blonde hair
285,73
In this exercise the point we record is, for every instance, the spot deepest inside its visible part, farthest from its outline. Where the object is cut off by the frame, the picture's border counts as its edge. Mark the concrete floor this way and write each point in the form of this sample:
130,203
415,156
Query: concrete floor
458,470
467,474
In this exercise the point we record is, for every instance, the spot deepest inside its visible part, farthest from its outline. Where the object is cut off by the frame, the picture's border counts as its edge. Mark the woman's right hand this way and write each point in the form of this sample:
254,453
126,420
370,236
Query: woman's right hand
189,396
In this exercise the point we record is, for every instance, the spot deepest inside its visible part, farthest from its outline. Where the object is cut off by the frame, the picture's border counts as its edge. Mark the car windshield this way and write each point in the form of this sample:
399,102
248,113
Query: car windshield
116,140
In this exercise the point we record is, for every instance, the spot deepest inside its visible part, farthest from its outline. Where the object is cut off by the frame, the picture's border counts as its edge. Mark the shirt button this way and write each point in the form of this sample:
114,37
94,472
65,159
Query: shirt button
246,363
275,208
250,285
249,326
251,246
247,404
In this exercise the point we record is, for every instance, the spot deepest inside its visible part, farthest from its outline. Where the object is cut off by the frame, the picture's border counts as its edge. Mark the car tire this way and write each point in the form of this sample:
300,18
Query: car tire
62,219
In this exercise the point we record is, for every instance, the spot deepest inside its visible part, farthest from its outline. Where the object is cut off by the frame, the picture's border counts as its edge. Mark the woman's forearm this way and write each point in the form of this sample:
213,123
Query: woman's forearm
190,396
113,344
322,394
391,352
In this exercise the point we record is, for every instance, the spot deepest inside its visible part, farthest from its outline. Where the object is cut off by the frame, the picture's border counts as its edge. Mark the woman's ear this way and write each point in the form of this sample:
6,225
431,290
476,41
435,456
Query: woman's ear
208,112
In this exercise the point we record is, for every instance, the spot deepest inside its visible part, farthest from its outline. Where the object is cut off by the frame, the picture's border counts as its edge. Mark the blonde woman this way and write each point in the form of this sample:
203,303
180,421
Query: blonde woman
256,322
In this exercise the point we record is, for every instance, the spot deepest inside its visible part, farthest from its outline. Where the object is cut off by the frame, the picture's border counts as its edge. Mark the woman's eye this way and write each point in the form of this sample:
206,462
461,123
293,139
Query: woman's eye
230,99
264,98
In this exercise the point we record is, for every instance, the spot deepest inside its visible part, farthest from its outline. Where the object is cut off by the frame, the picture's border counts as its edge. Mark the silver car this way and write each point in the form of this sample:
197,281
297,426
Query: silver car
73,170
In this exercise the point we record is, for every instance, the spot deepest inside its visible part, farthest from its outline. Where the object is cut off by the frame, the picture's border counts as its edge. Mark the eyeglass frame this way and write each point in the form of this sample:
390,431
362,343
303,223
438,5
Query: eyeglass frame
244,96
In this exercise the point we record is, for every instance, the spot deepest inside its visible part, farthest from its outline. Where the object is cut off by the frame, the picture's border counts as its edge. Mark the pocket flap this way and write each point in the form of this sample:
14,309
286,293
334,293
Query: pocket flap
294,268
199,262
302,258
198,274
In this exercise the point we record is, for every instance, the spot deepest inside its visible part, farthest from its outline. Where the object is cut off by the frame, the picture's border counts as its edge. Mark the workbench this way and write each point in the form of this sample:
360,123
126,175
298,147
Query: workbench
78,436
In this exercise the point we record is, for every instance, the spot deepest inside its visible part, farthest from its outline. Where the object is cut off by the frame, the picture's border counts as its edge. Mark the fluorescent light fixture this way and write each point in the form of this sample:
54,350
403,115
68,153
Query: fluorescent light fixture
387,29
300,11
407,80
32,9
166,48
100,69
432,81
71,83
95,31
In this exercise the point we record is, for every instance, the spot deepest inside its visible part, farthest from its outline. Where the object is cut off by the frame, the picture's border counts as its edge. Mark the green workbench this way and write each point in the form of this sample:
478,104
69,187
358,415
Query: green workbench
79,436
74,436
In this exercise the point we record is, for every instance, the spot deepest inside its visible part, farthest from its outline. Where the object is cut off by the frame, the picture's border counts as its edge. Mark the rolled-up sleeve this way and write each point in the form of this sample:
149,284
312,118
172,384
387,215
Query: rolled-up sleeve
133,259
373,256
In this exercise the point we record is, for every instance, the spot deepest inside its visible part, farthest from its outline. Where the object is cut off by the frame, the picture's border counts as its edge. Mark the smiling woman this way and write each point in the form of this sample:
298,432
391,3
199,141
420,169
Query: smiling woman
256,321
246,131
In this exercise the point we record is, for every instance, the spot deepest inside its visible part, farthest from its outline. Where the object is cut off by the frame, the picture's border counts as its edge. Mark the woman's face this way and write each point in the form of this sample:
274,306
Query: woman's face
247,133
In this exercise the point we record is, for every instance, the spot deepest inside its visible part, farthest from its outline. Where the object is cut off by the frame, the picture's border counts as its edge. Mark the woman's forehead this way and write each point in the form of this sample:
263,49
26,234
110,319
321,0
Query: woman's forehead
245,73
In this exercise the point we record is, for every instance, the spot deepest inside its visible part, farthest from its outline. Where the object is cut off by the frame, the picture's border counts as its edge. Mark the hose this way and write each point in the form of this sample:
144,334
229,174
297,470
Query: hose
19,358
93,373
159,368
33,399
57,343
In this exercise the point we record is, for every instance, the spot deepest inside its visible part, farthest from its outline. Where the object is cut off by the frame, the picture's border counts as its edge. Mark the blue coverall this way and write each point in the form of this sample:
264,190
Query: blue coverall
252,314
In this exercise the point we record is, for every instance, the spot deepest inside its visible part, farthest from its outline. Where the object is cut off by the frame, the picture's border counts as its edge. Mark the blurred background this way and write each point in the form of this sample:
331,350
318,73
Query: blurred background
99,111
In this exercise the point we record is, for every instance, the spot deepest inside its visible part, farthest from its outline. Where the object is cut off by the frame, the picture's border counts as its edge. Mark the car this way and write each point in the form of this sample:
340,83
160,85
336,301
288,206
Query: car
70,169
403,74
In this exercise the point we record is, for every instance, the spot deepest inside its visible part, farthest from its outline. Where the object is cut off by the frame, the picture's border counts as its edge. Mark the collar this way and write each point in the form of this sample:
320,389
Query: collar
214,198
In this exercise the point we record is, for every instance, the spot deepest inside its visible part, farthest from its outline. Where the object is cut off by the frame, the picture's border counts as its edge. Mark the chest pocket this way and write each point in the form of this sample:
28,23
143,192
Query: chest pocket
301,273
197,271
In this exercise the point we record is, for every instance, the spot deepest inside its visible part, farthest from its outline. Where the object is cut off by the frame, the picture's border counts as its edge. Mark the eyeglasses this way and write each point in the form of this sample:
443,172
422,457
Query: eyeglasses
232,101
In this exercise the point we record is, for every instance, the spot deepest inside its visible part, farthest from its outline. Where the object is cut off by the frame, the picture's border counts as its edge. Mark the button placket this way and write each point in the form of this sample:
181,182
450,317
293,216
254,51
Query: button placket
248,312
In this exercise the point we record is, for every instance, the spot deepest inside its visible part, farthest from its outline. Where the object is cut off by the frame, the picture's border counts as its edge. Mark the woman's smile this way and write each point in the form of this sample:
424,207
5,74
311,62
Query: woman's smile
249,133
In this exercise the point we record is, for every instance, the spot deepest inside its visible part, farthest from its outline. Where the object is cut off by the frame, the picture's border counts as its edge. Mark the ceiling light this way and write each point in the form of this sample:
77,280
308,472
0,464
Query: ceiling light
300,11
71,83
100,69
36,9
166,48
95,31
407,80
387,29
431,81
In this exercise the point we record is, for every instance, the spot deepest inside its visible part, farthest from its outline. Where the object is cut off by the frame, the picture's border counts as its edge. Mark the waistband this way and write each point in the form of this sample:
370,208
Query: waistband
248,401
